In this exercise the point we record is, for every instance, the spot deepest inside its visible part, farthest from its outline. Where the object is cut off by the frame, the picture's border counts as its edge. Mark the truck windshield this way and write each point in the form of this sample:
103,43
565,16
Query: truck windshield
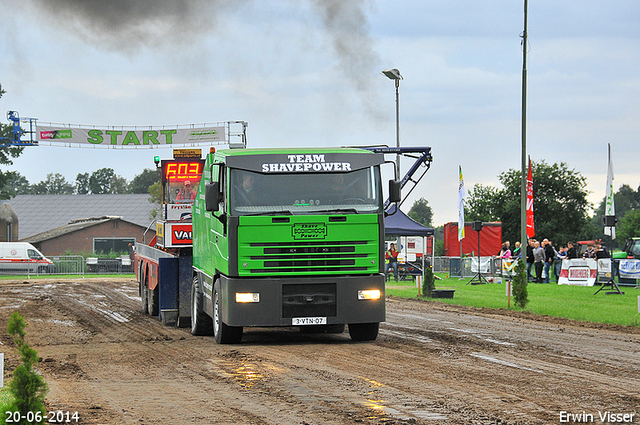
309,193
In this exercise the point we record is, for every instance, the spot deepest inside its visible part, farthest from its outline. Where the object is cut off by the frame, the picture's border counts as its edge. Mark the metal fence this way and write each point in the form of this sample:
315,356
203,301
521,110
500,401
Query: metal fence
67,264
467,267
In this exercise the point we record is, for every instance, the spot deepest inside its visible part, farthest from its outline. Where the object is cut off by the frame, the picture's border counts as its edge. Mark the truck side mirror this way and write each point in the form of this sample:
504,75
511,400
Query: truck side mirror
394,191
212,196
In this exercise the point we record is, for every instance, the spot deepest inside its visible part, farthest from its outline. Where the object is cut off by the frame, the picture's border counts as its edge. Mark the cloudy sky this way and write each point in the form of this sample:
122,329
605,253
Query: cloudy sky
307,73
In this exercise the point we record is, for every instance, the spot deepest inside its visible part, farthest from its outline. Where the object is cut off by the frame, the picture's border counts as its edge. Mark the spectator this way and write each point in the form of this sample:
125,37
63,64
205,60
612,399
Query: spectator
530,259
590,252
601,251
539,257
516,251
505,252
571,251
562,254
392,257
549,257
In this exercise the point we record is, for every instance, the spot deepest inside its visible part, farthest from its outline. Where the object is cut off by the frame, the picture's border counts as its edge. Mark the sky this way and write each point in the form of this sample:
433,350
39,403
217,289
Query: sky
308,73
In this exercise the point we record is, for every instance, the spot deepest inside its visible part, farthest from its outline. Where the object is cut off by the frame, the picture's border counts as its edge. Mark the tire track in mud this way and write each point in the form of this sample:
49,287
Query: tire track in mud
427,366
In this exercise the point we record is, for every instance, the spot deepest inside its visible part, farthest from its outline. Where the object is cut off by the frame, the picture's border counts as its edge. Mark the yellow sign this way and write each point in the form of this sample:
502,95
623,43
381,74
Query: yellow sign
187,153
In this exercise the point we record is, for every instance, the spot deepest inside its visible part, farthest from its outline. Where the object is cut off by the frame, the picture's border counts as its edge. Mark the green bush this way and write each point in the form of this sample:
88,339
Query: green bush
27,387
428,284
519,288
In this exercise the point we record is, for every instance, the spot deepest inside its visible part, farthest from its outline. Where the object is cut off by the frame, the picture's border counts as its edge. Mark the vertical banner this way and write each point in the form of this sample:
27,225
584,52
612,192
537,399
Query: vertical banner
462,193
531,231
609,206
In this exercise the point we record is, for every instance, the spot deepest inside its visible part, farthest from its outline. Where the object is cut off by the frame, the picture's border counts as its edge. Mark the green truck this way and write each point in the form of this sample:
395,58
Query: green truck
289,237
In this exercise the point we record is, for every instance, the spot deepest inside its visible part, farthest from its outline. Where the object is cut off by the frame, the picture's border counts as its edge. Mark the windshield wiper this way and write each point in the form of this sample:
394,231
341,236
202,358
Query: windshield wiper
339,211
282,212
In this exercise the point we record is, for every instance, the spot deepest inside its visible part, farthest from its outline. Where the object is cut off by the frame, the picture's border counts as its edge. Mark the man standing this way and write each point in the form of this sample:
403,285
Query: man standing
571,251
392,257
539,257
549,257
562,254
530,259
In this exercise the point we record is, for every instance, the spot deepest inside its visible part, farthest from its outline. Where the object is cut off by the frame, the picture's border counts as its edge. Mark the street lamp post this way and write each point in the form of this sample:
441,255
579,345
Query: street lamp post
394,75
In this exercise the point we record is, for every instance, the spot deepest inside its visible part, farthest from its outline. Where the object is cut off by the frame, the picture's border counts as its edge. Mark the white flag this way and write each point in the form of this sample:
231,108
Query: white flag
462,193
609,205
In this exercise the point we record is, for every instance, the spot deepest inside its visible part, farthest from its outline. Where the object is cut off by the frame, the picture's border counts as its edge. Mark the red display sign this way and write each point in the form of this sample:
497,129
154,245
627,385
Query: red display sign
178,171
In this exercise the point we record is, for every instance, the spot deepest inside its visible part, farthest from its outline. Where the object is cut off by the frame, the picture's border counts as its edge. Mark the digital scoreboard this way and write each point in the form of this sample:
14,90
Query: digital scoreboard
180,170
186,166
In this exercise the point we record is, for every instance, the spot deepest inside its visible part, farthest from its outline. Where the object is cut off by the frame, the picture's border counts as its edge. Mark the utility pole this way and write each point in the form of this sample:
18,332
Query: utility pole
523,181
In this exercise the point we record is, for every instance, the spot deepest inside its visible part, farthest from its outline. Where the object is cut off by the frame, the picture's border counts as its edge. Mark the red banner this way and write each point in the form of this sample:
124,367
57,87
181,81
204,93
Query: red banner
531,231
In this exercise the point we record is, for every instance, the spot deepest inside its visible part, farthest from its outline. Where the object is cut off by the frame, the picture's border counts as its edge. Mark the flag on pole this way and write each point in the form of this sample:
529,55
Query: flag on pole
609,206
462,193
531,231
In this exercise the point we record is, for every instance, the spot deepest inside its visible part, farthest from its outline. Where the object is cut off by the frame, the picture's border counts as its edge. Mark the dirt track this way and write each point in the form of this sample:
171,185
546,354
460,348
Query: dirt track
432,363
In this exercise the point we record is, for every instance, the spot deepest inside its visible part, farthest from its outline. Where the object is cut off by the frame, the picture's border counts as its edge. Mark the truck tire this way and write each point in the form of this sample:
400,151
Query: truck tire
144,295
201,323
363,331
152,301
222,333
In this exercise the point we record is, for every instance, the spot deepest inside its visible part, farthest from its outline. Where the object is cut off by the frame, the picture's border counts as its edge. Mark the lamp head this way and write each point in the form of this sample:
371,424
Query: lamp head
392,73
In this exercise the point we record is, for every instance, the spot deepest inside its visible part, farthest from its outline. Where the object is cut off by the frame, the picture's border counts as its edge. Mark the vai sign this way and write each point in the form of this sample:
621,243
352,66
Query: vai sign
121,137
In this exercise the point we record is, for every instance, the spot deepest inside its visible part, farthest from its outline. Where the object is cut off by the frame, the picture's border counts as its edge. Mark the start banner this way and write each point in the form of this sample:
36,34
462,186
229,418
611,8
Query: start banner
577,271
131,137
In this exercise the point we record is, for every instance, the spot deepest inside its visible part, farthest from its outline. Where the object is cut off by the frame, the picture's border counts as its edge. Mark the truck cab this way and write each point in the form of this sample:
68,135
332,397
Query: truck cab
289,237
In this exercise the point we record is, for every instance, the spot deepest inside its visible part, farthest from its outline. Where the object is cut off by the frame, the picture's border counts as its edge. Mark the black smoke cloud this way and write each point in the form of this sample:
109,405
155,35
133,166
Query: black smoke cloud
128,26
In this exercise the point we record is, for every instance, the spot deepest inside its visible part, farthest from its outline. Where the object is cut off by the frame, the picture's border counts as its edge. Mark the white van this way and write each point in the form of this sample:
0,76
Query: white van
22,257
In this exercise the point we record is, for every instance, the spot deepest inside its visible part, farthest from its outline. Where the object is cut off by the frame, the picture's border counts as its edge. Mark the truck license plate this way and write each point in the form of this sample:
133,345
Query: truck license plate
302,321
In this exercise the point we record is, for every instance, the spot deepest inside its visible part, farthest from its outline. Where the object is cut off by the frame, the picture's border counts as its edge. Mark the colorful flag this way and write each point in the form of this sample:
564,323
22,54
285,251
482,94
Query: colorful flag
461,195
609,206
531,231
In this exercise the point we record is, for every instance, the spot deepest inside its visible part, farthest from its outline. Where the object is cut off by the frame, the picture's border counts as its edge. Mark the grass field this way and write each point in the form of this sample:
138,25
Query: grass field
571,302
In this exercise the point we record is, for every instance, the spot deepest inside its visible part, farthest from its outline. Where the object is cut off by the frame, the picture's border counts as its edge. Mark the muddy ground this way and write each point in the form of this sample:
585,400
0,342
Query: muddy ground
432,363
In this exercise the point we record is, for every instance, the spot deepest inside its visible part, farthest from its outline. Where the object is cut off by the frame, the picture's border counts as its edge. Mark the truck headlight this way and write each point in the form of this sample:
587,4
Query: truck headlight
247,297
369,294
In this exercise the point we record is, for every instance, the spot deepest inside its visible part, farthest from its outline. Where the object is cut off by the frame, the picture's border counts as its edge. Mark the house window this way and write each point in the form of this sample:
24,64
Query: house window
106,245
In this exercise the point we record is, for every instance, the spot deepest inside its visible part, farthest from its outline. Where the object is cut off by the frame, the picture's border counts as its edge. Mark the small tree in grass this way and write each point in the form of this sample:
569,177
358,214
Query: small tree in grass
519,285
428,284
27,387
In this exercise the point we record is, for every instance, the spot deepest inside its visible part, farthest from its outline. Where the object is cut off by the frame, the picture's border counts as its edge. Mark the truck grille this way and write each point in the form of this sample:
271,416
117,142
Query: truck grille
309,300
297,257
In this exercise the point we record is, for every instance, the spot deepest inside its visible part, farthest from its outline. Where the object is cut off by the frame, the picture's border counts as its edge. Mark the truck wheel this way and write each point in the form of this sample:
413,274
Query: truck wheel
201,323
363,331
144,295
222,333
152,301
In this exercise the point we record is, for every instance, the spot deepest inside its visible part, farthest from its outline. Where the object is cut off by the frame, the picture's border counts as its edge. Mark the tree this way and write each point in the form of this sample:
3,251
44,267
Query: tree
155,192
119,185
16,184
27,386
141,182
421,212
560,203
54,184
629,226
6,153
519,285
101,180
82,184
